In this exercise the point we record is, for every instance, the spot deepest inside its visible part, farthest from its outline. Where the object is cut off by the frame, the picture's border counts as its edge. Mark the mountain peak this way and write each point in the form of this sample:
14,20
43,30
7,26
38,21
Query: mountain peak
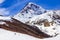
32,7
30,10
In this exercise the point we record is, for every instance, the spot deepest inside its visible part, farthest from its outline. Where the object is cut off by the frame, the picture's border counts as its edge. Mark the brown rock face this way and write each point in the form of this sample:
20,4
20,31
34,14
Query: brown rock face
46,24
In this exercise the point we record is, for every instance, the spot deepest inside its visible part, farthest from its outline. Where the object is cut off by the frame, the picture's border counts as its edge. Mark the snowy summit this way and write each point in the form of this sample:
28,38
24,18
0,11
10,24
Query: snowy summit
29,11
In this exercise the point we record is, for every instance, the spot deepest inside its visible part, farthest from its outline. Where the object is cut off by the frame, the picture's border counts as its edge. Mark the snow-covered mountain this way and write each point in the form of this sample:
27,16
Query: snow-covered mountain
47,22
29,11
33,20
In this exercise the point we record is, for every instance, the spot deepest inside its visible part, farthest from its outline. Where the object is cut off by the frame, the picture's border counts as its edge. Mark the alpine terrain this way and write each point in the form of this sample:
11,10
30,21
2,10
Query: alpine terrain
34,21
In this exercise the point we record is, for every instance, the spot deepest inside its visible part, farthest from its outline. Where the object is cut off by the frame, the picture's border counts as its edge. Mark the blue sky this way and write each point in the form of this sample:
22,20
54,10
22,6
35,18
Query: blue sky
11,7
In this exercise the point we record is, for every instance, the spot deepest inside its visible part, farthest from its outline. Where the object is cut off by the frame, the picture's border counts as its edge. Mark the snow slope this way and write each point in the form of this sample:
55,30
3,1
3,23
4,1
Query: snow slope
8,35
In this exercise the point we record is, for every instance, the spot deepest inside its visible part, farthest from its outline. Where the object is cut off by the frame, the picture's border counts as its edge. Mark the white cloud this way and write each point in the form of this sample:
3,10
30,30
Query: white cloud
1,1
3,11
